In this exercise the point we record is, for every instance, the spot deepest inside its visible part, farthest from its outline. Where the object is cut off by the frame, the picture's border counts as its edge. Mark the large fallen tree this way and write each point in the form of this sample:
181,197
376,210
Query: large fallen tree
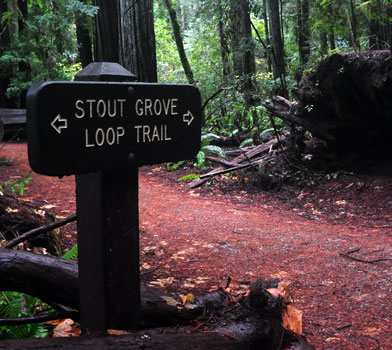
345,101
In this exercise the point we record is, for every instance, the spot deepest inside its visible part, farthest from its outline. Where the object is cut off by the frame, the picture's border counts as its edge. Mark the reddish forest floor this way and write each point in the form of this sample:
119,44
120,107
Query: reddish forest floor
192,241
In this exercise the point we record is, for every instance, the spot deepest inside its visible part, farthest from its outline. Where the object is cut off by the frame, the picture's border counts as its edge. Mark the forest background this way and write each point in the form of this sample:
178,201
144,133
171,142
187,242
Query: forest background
240,52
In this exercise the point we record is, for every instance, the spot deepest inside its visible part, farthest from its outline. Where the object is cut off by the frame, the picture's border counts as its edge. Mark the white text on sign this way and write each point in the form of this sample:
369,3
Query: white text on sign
91,108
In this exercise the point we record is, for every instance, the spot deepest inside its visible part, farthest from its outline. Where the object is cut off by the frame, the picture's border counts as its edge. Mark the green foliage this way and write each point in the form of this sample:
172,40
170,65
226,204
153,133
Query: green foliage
14,304
72,253
207,148
45,48
17,185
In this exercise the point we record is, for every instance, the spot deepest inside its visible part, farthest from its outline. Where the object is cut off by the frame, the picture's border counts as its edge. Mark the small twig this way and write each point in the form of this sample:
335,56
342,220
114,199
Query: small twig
39,318
364,261
37,231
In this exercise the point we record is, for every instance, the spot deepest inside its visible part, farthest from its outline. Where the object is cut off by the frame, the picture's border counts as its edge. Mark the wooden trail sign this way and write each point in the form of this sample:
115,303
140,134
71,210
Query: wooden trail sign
102,131
80,127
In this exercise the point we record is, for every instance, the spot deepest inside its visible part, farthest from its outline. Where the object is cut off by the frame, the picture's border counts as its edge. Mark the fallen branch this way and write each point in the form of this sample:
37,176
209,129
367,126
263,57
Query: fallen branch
220,161
55,315
234,168
37,231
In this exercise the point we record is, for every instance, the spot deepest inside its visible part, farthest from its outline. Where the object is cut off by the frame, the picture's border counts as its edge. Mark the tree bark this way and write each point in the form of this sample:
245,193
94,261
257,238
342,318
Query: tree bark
106,48
179,41
137,39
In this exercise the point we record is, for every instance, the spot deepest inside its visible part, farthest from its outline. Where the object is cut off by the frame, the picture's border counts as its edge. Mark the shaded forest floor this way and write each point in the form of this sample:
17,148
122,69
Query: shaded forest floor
239,227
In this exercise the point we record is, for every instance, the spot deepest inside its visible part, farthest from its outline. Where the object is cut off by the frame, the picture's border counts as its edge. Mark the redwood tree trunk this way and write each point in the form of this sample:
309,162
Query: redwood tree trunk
137,38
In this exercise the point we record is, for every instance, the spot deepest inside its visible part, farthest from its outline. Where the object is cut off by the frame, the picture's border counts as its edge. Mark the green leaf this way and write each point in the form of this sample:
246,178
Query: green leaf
210,136
246,142
265,131
214,150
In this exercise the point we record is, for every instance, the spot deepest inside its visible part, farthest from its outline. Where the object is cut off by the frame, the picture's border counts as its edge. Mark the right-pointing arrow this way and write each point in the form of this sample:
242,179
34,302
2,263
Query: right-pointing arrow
188,118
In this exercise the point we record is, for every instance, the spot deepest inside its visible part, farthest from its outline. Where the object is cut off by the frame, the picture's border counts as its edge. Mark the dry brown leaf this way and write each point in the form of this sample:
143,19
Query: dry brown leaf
187,299
65,329
292,319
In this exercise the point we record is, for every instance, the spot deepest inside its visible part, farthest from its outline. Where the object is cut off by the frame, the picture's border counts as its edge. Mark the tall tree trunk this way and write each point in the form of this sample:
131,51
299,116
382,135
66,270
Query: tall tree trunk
303,31
224,45
354,32
248,57
4,44
278,62
179,41
137,38
106,32
125,34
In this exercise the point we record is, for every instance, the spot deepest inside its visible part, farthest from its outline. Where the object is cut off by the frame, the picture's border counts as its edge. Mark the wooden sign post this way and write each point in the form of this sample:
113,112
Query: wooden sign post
108,236
101,128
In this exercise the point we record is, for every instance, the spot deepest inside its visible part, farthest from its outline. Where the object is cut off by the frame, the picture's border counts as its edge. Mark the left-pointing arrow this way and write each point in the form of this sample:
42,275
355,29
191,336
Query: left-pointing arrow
59,123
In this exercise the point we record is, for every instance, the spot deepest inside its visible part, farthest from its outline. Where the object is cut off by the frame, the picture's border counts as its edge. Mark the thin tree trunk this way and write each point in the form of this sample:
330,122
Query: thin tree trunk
303,31
267,36
179,41
224,46
248,58
357,45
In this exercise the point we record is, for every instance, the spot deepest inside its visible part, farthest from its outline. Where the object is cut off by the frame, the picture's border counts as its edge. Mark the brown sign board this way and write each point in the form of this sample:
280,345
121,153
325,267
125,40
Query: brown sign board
81,127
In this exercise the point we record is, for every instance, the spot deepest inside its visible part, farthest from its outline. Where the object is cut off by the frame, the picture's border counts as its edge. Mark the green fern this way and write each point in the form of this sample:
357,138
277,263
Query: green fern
72,253
14,304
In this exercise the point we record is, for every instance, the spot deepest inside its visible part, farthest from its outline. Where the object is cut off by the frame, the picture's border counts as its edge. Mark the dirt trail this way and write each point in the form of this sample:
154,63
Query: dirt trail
192,241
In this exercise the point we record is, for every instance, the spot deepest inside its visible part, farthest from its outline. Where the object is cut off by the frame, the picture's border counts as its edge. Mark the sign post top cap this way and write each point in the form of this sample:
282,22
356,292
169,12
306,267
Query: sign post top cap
105,71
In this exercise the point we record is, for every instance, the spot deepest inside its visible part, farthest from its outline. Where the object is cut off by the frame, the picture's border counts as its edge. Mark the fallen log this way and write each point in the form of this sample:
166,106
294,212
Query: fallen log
250,323
14,123
345,101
